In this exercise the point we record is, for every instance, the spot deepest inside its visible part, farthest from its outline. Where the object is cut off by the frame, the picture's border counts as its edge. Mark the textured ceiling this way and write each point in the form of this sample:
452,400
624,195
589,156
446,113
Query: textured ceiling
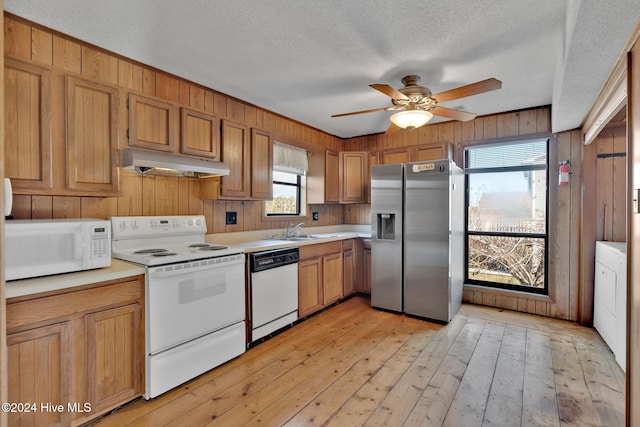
309,59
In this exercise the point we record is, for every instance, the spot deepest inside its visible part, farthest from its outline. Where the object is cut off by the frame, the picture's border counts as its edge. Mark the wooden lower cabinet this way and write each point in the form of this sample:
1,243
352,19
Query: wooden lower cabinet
320,276
38,367
366,277
82,349
348,267
309,286
332,278
114,356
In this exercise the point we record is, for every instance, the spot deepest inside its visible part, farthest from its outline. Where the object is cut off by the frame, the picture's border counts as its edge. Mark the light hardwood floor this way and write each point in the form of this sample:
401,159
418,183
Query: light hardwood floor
351,365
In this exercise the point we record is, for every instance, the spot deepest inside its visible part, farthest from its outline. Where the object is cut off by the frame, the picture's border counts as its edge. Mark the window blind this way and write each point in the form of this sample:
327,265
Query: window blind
287,158
527,153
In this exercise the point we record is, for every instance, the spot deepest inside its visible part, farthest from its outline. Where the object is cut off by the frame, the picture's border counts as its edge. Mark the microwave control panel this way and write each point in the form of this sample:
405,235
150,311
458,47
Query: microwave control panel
100,241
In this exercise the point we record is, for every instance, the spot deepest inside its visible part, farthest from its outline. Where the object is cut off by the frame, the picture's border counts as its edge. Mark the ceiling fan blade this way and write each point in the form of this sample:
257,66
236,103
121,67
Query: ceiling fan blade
360,112
468,90
389,91
462,116
393,128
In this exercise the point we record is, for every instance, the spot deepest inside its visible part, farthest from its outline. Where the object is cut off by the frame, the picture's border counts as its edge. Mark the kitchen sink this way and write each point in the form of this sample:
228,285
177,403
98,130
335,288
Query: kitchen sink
296,238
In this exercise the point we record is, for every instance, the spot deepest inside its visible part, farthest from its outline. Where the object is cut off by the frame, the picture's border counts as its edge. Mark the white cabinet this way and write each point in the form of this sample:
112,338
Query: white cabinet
610,297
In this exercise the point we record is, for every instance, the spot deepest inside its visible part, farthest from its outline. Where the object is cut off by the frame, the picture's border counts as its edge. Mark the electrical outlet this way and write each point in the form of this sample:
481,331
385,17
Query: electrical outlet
314,216
232,218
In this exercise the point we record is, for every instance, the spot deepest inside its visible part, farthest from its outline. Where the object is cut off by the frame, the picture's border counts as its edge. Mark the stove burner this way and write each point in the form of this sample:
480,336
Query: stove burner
212,248
149,251
164,254
199,245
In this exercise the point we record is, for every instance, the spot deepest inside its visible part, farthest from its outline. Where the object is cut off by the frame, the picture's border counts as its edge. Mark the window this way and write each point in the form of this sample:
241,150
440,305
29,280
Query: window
506,237
289,167
286,194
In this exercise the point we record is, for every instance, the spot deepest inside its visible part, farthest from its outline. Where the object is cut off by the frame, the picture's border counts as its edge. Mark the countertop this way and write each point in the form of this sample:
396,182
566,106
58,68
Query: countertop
118,270
270,244
262,240
250,241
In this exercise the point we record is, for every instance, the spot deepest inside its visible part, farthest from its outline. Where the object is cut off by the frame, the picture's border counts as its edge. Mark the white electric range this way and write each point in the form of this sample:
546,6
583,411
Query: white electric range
194,296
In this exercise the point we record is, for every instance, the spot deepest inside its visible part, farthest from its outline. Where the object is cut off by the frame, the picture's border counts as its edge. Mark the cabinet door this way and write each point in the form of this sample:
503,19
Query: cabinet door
114,356
261,165
200,134
309,286
374,159
39,372
332,177
427,152
332,278
92,137
398,155
27,112
353,177
367,271
348,264
153,123
235,153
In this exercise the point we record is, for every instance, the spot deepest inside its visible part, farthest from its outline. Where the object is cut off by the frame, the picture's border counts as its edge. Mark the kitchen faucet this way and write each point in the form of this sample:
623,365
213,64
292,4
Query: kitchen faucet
290,230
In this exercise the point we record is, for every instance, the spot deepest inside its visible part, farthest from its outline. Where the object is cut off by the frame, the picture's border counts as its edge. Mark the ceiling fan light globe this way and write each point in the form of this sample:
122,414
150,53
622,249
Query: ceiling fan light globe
411,119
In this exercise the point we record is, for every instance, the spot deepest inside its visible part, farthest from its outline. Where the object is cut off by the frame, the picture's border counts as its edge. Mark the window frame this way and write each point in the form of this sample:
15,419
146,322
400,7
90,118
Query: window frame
298,186
544,291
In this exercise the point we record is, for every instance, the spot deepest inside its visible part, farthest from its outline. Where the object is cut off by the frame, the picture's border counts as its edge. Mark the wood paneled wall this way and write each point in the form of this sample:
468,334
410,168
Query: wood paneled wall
147,195
611,171
517,123
564,209
142,195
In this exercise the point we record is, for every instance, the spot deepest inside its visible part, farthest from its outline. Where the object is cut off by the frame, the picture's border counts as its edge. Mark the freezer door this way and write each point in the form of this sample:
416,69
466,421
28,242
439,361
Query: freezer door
386,237
427,231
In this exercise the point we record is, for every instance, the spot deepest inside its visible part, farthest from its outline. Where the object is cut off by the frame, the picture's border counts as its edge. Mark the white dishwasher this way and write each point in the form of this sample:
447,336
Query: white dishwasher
273,291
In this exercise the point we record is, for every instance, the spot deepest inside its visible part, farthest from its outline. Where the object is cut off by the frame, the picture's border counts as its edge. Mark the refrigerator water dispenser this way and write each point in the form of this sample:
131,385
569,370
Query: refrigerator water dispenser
386,226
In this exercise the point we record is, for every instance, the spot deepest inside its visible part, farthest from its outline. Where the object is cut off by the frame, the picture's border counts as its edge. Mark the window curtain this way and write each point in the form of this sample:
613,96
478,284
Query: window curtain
287,158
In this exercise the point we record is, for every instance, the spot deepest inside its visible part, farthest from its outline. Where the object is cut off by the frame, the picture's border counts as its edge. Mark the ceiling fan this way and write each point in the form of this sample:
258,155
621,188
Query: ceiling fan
416,105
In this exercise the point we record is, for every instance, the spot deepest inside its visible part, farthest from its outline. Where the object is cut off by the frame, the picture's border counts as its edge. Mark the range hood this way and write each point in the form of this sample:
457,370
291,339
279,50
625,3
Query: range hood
156,163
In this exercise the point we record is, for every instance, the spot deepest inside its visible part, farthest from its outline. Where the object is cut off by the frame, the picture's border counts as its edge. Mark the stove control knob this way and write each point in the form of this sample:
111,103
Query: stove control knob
190,222
134,225
198,222
123,225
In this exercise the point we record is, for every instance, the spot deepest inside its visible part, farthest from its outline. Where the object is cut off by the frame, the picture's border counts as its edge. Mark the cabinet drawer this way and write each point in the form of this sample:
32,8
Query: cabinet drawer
320,249
43,310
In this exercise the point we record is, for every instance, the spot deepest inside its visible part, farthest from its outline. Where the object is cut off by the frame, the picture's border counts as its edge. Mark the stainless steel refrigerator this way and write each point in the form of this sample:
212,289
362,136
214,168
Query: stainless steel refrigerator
417,238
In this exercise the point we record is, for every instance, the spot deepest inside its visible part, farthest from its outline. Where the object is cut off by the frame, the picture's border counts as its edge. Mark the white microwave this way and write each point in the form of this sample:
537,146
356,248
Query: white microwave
43,247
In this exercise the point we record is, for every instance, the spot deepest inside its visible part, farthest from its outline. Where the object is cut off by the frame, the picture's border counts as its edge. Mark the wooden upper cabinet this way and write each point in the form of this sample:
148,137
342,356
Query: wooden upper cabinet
27,102
374,160
153,123
396,155
92,137
332,177
235,150
200,133
427,152
261,165
353,176
338,177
